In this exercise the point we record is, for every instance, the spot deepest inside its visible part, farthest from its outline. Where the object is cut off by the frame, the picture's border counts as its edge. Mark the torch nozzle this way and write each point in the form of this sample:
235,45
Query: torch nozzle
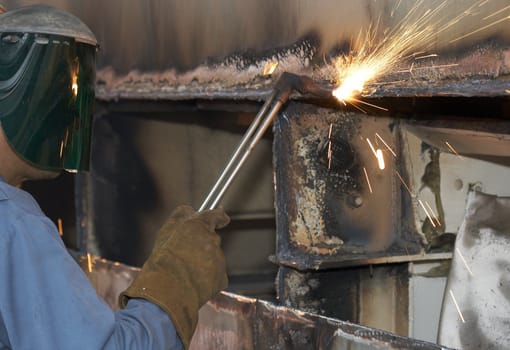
289,82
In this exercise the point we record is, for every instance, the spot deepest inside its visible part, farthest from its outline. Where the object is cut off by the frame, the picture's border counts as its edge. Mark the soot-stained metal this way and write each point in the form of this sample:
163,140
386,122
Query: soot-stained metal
481,70
346,294
334,203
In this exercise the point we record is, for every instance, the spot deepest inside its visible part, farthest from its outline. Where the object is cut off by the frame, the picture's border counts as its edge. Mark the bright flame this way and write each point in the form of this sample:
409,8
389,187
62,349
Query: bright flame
354,81
269,67
375,54
372,57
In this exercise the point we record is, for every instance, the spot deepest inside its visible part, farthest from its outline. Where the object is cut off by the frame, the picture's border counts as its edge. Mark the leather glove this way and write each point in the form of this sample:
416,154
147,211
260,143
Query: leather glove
185,269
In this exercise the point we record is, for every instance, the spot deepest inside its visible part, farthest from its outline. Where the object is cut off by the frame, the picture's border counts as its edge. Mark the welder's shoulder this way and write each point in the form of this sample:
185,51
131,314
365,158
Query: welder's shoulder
12,198
3,194
21,218
18,207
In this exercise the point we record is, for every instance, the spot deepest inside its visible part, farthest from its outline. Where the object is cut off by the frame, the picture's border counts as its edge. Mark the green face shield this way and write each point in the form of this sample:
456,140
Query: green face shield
46,98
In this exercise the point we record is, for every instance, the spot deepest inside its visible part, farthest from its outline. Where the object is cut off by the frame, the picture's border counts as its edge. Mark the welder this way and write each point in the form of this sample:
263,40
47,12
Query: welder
47,73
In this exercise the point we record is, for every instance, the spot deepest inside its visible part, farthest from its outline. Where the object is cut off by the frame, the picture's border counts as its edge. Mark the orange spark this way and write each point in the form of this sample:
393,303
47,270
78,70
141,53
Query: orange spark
404,183
378,154
89,262
457,306
60,229
427,67
426,56
368,180
465,262
452,149
433,214
269,67
497,12
372,57
330,154
481,28
387,146
426,212
371,147
376,51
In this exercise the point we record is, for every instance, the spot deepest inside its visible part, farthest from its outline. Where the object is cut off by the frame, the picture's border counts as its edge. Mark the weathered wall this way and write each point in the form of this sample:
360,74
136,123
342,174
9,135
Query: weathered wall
160,34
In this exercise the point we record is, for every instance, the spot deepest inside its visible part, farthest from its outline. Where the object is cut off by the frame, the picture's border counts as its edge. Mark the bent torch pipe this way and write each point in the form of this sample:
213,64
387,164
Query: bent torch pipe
286,84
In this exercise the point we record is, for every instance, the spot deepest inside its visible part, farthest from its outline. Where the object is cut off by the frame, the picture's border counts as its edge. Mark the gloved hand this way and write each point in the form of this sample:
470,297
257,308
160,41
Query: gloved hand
185,269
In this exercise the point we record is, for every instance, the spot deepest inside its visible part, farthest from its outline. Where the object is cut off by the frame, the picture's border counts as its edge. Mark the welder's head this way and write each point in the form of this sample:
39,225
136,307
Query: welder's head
47,73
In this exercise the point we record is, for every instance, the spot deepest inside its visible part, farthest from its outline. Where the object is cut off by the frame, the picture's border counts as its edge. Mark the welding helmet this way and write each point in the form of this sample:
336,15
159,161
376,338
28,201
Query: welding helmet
47,74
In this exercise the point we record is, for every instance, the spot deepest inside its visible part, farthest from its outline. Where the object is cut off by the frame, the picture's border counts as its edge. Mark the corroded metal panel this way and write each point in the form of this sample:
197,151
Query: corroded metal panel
375,296
231,321
334,201
330,293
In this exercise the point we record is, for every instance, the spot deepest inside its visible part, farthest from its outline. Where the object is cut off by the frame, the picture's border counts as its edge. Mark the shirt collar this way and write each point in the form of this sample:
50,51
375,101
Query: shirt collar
3,195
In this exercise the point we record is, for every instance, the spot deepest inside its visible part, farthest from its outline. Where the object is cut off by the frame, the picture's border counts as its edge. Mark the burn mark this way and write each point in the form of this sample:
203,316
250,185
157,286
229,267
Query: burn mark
325,210
320,293
303,49
337,154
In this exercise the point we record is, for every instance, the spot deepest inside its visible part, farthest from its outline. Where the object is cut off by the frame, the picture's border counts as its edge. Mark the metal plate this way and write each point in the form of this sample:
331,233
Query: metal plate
334,203
477,297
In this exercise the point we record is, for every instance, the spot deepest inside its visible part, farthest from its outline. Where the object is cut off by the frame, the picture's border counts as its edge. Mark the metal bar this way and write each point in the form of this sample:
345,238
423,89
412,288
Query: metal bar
260,132
287,83
244,141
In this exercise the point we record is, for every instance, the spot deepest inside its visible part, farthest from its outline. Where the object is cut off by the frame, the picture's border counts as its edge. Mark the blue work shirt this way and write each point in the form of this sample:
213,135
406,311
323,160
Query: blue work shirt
47,301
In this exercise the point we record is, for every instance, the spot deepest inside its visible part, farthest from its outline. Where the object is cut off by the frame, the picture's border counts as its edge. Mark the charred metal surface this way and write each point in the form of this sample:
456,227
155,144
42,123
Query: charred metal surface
260,88
231,321
333,293
333,202
480,71
351,294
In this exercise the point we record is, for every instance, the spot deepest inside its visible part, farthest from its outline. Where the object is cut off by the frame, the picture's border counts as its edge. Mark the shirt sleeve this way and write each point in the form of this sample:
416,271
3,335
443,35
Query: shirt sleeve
47,302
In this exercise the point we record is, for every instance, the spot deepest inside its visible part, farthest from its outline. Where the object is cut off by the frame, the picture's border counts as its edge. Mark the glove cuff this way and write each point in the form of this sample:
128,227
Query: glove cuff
176,299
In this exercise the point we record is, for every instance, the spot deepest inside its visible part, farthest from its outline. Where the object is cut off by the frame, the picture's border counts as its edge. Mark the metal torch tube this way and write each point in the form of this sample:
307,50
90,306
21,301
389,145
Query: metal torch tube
282,90
244,141
260,132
